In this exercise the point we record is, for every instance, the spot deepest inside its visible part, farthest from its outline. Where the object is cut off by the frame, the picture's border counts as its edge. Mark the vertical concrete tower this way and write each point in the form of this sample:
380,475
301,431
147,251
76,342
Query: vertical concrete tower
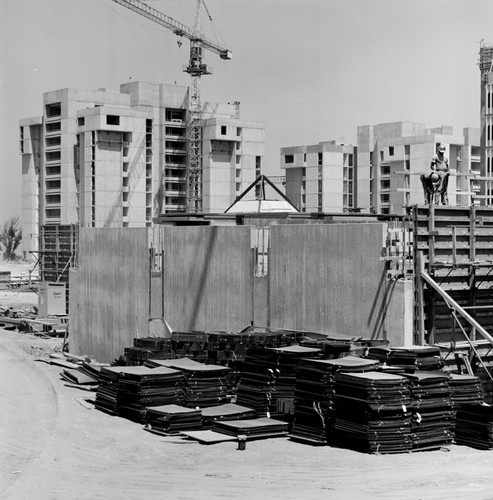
486,92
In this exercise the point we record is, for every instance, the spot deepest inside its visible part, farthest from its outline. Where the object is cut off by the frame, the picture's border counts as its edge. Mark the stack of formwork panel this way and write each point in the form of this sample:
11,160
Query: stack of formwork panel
314,395
474,426
416,357
225,412
204,385
172,419
408,358
269,377
431,406
255,428
465,389
190,345
147,348
129,390
371,412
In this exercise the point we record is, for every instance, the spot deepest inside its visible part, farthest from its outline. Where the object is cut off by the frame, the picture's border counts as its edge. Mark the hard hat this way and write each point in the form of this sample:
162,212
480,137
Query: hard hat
442,148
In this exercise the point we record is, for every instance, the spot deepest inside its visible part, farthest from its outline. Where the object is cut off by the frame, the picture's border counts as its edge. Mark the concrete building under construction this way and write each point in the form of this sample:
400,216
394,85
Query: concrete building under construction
486,99
321,177
100,158
392,156
382,173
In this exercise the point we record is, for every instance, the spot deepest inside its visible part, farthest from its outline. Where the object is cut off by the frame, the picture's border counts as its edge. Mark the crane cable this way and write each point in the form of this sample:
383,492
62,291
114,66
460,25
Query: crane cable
217,35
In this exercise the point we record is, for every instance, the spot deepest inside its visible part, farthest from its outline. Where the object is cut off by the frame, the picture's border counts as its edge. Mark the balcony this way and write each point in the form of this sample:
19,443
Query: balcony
171,178
175,193
175,149
175,208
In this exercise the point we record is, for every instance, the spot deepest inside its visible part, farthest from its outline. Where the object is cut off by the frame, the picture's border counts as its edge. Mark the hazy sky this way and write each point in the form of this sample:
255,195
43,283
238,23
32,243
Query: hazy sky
310,70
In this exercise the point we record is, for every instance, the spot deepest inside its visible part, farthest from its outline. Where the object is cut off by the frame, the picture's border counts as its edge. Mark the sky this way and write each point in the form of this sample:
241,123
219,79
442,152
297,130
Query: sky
309,70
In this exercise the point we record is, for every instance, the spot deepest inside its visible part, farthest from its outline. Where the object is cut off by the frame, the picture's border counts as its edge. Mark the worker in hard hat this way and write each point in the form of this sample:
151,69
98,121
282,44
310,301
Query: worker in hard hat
433,184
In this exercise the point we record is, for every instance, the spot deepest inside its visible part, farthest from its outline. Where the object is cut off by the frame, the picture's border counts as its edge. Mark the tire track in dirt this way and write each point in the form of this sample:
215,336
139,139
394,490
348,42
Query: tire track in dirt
27,413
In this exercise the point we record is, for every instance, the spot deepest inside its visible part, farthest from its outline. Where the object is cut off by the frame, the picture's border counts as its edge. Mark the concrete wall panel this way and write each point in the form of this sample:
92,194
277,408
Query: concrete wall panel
329,278
109,303
208,277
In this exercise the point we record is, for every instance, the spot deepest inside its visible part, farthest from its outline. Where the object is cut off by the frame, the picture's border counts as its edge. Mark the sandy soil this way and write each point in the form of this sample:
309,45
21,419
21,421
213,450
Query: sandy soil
56,446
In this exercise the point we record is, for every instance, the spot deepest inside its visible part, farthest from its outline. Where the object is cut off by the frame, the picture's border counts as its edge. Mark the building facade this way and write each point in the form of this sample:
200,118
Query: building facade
101,158
392,156
321,177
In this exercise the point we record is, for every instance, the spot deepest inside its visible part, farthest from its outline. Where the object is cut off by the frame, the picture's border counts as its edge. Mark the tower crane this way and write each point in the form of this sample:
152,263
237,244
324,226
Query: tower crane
196,69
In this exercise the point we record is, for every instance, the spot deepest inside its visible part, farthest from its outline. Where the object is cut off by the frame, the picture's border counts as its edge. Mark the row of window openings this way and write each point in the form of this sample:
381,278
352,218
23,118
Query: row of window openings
224,130
115,120
347,159
110,120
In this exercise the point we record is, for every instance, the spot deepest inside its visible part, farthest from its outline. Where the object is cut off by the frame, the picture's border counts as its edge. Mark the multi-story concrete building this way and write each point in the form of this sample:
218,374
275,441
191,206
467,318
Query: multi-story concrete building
381,174
102,158
321,177
392,156
30,147
486,103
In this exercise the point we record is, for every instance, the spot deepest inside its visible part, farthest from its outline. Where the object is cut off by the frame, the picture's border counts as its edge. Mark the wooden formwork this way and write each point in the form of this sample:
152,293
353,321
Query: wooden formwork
58,249
58,252
454,245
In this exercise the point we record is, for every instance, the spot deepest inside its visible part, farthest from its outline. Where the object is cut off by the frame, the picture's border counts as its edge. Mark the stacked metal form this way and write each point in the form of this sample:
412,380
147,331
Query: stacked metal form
408,358
416,357
129,390
256,428
209,347
172,419
269,377
379,353
431,407
474,426
372,412
465,389
314,395
204,385
85,375
224,413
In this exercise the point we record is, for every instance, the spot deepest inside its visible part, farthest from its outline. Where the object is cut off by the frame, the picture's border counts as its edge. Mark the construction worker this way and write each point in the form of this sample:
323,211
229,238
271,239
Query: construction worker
431,185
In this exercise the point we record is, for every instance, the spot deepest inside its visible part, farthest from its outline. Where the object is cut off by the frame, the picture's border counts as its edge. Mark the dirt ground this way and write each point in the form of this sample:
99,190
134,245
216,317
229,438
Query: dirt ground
56,446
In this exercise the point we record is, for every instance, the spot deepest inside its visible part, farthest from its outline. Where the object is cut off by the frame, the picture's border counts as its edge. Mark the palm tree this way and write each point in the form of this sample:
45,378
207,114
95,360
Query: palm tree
10,237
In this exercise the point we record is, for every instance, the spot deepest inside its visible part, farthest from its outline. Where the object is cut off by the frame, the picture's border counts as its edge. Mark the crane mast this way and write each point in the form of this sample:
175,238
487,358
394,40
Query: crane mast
196,69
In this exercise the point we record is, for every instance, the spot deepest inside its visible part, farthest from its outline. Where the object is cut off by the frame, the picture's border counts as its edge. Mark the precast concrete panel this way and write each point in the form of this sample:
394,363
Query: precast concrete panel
109,303
329,279
207,277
